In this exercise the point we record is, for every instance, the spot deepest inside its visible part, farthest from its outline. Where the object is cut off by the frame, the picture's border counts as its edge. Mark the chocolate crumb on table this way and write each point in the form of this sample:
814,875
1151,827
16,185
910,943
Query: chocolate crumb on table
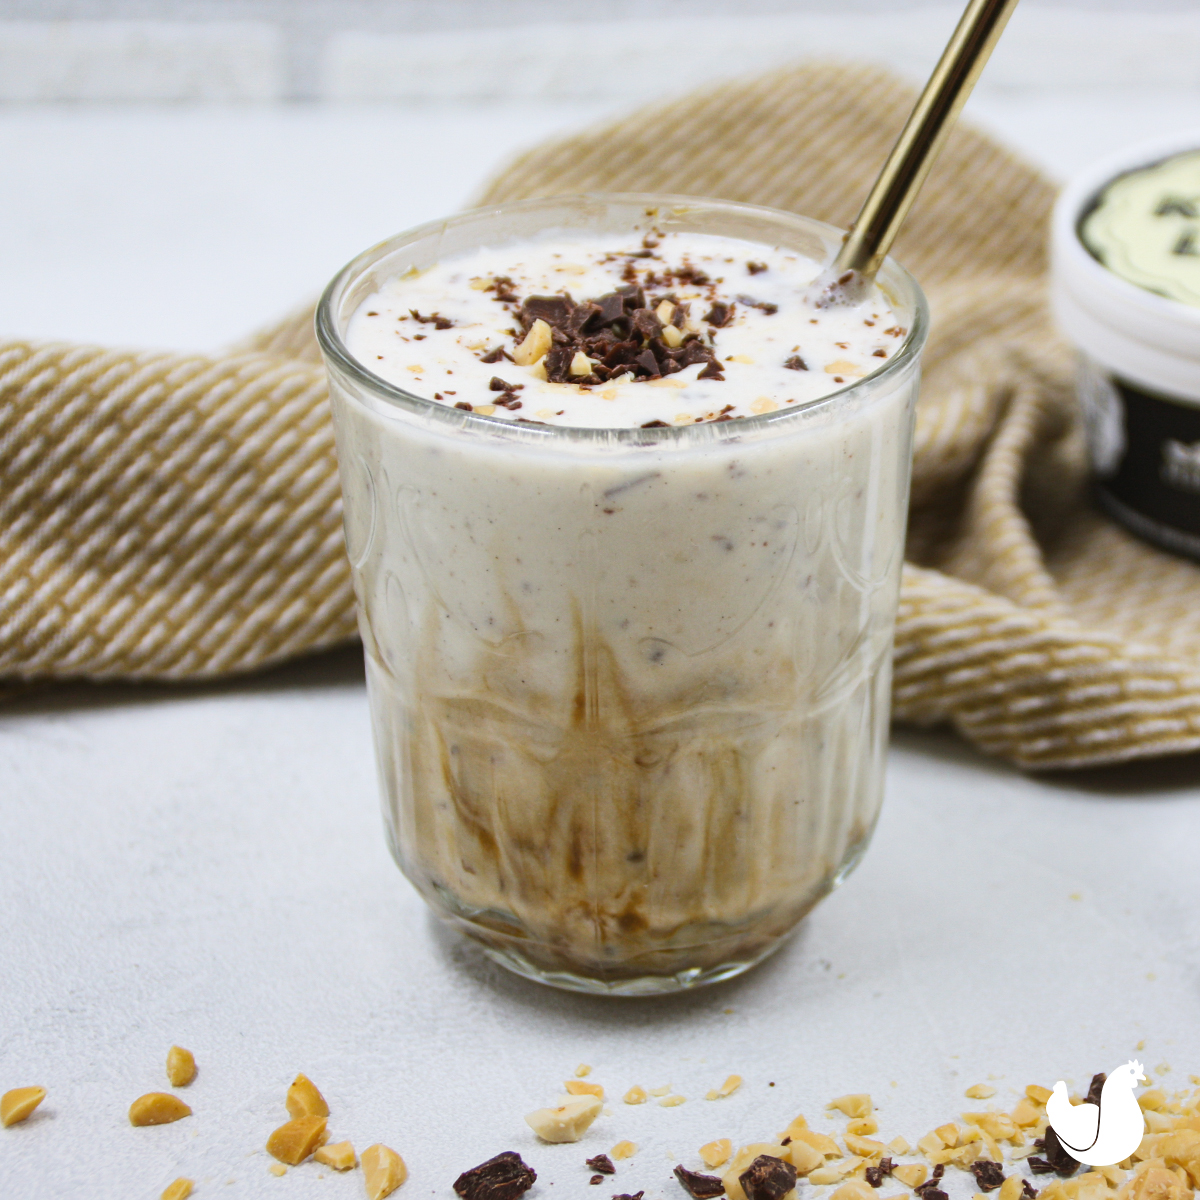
504,1177
698,1186
629,1196
874,1175
603,1164
1062,1163
989,1175
768,1178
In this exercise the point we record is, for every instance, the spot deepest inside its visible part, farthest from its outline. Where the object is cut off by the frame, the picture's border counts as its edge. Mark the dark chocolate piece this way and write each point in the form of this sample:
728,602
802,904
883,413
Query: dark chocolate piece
712,371
988,1174
756,268
763,305
554,310
434,319
656,425
504,1177
874,1175
495,356
502,385
767,1178
796,363
628,1196
1028,1190
1097,1086
1062,1162
700,1187
646,364
1039,1166
464,406
603,1164
719,314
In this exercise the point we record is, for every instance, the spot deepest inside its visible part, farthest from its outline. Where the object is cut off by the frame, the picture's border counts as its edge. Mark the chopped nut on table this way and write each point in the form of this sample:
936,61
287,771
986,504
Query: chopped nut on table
278,1170
623,1150
857,1104
338,1155
383,1171
636,1095
181,1066
294,1141
716,1153
576,1087
157,1108
305,1100
19,1103
504,1177
180,1189
582,1070
567,1122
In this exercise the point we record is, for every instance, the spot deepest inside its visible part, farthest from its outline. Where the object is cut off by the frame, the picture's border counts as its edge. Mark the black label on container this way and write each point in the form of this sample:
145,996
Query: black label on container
1154,486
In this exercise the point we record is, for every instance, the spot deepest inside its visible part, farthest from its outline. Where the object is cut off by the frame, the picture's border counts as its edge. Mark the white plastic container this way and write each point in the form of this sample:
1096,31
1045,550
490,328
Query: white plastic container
1139,368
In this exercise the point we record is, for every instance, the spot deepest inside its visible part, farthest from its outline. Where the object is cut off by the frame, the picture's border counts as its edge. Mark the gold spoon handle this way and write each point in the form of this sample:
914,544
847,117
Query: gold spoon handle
962,61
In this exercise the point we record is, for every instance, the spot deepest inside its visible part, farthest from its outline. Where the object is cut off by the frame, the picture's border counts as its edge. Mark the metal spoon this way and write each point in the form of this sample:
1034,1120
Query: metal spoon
849,278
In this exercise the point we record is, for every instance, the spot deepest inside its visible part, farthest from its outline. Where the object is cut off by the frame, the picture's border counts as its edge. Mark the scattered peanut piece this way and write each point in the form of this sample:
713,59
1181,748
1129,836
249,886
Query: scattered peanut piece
671,1101
181,1189
862,1126
576,1087
730,1086
1039,1095
820,1142
17,1104
899,1145
623,1150
567,1122
305,1100
948,1133
635,1095
660,1091
535,345
858,1104
383,1171
157,1108
278,1170
854,1189
715,1153
582,1070
1010,1189
803,1157
980,1091
864,1147
294,1141
338,1155
181,1066
911,1174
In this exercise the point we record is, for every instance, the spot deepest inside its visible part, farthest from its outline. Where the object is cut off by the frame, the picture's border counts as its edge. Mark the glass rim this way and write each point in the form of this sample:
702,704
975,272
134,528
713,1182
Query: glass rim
336,352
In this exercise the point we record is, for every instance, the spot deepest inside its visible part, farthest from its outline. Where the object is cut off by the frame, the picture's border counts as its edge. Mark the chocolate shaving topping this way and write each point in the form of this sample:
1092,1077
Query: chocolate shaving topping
655,425
764,305
503,286
767,1178
497,355
1097,1086
929,1189
1039,1166
1058,1158
504,1177
434,319
719,314
628,1196
796,363
756,268
700,1187
464,406
1028,1190
596,1179
603,1164
502,385
988,1174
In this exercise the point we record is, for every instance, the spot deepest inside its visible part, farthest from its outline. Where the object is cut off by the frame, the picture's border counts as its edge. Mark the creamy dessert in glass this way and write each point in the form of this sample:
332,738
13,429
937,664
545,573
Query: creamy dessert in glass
626,516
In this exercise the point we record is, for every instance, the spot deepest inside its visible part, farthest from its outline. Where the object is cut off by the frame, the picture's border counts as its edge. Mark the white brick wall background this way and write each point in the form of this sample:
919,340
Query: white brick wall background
472,50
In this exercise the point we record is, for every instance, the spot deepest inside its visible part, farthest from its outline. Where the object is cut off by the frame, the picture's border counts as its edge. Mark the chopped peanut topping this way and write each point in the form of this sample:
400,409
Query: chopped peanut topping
911,1174
854,1189
181,1066
818,1141
980,1091
716,1153
338,1155
383,1171
671,1101
803,1157
1010,1189
898,1145
16,1105
304,1100
857,1104
660,1091
864,1147
672,336
635,1095
567,1122
536,344
730,1086
157,1108
1025,1114
862,1126
665,312
293,1142
582,1070
278,1170
1039,1095
181,1189
580,365
576,1087
623,1150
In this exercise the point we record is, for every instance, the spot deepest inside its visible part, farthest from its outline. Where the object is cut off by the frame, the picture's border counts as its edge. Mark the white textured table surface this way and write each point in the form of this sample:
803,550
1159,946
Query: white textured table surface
207,867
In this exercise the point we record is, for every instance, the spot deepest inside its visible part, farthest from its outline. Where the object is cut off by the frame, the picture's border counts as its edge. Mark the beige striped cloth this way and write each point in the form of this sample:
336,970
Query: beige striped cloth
167,517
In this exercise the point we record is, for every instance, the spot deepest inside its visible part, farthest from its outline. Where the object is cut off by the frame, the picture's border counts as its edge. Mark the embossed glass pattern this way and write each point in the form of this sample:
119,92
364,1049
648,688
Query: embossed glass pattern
629,687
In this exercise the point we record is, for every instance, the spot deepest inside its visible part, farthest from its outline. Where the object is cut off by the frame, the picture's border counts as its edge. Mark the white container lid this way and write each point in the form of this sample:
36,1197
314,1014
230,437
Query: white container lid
1139,336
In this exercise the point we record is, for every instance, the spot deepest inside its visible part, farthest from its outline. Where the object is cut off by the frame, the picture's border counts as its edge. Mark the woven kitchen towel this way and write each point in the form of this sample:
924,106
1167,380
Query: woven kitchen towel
167,517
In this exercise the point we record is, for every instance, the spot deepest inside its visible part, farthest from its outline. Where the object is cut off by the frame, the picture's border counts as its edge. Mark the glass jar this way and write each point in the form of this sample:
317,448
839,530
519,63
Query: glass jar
629,687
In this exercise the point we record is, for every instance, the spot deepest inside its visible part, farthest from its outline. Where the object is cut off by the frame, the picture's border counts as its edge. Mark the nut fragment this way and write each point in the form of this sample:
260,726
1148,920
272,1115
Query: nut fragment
304,1100
157,1108
857,1104
716,1153
665,312
383,1171
911,1174
980,1091
862,1126
566,1123
730,1086
338,1155
803,1157
19,1103
635,1095
854,1189
181,1189
623,1150
294,1141
577,1087
582,1070
898,1145
1039,1095
660,1091
672,336
535,345
181,1066
671,1101
580,365
278,1170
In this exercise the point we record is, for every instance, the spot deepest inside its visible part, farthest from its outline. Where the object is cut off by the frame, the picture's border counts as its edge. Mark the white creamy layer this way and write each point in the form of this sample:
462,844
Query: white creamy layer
395,334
